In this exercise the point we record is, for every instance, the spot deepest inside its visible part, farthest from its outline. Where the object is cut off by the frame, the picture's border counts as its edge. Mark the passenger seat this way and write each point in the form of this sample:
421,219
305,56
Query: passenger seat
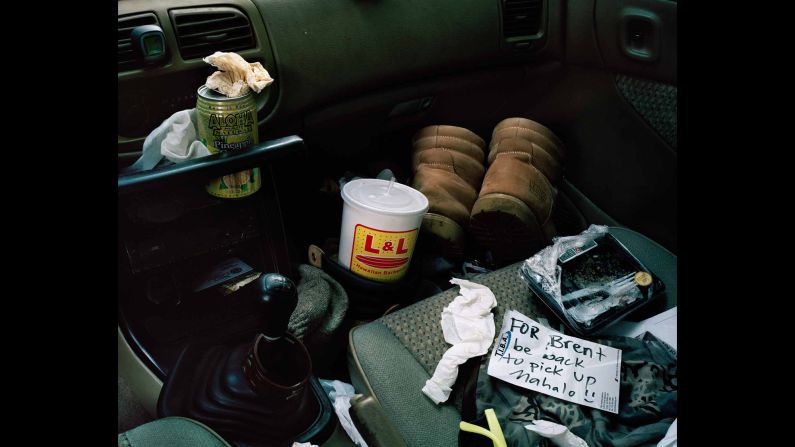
391,358
171,432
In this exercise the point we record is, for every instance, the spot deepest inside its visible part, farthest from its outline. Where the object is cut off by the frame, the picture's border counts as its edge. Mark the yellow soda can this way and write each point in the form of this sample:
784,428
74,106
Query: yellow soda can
229,124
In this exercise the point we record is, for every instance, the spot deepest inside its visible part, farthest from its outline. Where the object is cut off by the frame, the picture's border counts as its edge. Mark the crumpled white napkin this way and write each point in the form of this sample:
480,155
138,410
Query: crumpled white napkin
468,325
182,140
237,76
176,138
558,434
341,395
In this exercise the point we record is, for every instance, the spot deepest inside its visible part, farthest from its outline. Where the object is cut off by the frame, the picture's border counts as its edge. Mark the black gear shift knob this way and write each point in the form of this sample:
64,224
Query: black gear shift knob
277,297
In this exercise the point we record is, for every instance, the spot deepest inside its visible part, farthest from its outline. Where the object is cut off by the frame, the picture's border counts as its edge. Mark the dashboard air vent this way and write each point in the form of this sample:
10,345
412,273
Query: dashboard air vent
128,60
203,31
521,18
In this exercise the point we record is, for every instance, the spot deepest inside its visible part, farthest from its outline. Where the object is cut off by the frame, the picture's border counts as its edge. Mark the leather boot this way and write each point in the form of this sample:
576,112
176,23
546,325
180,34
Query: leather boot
448,168
531,131
512,215
539,158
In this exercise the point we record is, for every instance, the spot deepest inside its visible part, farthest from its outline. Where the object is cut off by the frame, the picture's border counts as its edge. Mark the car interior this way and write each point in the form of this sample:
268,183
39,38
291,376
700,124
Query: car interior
209,283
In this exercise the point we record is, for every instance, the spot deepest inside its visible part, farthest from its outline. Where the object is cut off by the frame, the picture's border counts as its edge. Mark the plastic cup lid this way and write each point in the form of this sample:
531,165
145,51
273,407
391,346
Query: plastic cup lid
371,194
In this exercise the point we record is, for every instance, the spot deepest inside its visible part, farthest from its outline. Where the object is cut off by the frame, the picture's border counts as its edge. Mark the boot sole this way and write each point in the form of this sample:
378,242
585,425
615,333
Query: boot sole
442,235
507,227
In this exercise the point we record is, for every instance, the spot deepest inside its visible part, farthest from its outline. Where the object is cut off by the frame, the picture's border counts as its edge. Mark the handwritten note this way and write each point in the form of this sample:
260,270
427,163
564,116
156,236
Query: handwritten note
532,356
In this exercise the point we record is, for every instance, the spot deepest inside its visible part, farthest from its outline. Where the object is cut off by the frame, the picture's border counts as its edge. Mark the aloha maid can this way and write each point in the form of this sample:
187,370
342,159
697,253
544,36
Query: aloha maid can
229,124
380,222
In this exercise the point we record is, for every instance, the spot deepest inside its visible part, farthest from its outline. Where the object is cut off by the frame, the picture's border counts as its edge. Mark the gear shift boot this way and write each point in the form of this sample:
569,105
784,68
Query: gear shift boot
283,381
258,393
208,385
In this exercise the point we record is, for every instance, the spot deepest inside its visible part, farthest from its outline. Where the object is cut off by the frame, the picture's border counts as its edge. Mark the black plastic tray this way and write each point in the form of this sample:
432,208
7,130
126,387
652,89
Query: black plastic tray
609,260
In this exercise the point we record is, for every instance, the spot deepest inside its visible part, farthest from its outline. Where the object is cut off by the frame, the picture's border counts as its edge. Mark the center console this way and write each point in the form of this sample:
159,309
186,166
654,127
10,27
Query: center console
205,295
179,247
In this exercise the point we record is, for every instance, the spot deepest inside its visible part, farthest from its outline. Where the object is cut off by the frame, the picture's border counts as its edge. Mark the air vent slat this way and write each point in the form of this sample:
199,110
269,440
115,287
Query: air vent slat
208,33
230,44
203,31
515,12
237,41
126,30
213,25
214,39
521,17
126,57
188,20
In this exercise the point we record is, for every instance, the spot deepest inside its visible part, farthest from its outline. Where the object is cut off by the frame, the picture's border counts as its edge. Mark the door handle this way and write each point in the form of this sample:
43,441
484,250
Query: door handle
639,34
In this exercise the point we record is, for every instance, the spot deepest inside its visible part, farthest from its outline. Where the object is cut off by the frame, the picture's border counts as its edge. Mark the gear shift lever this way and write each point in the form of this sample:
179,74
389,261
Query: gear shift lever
276,358
277,298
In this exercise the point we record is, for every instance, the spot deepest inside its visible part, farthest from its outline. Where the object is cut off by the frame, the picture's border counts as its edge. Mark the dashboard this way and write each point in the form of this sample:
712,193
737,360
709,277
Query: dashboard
321,52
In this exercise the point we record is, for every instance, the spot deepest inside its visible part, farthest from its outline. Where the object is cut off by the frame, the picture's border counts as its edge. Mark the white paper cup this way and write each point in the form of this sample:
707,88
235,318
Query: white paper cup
379,228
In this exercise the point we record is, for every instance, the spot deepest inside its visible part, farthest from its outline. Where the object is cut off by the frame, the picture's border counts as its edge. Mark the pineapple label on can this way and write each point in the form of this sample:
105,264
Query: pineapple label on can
381,255
237,185
229,124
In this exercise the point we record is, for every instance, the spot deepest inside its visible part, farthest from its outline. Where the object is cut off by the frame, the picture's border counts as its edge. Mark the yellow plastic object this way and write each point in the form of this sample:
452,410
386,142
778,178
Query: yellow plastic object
494,432
643,279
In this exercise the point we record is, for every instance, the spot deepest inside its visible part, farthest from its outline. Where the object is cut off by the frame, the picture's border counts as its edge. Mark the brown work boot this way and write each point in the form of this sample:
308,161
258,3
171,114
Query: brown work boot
448,168
531,131
512,215
539,158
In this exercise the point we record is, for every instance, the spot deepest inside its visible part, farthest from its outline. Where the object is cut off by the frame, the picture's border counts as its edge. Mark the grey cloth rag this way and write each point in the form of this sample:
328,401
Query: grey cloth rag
322,305
646,410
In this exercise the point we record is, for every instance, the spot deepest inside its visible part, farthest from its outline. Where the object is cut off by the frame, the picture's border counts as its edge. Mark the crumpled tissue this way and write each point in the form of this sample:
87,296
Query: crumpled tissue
176,139
237,76
341,394
468,325
558,434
